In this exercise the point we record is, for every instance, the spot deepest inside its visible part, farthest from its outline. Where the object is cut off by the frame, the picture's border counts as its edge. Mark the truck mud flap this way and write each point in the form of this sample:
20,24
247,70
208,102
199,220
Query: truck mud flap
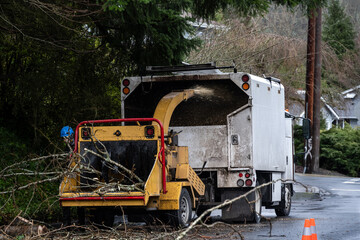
239,211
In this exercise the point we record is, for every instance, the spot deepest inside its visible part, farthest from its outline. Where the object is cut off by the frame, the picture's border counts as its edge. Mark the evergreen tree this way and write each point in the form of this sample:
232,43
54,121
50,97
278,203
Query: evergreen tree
338,29
61,60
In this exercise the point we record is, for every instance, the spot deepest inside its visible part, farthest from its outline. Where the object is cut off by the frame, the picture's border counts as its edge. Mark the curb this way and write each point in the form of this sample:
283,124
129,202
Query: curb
306,196
302,192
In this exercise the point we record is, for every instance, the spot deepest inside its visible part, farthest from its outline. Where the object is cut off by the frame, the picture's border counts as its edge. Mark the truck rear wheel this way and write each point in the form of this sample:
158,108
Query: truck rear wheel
285,204
182,216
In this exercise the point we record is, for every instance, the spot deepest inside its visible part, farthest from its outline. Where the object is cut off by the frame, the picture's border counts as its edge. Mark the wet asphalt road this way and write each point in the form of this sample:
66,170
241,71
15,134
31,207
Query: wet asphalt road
336,212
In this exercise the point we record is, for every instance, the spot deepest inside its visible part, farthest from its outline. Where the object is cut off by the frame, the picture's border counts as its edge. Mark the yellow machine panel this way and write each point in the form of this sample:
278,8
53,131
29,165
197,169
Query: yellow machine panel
185,172
102,200
153,185
117,133
69,183
170,200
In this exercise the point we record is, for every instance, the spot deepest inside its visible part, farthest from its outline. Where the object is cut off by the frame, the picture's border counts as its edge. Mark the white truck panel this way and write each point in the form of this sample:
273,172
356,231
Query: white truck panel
289,172
268,121
205,143
288,127
240,138
228,179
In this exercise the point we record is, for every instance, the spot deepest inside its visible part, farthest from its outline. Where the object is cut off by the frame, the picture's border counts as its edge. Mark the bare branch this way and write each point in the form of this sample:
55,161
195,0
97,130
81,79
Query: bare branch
224,204
32,184
107,159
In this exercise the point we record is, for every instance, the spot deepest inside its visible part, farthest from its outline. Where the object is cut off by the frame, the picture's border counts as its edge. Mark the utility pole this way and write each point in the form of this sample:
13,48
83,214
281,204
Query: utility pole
317,95
309,97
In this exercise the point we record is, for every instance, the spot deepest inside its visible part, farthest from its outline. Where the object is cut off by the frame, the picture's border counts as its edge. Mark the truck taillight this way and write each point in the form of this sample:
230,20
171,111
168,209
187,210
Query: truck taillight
149,132
248,182
247,175
245,78
126,90
126,82
85,133
245,86
240,175
240,182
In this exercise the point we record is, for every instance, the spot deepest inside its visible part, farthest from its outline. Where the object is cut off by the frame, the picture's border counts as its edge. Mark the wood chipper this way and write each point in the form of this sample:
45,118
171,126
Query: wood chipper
131,166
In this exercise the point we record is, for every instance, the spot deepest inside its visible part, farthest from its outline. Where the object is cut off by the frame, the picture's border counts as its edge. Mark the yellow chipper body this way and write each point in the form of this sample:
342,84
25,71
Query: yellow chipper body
131,166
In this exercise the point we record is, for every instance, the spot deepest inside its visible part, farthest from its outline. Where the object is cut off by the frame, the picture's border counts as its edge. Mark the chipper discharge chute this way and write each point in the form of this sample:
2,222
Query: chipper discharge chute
130,166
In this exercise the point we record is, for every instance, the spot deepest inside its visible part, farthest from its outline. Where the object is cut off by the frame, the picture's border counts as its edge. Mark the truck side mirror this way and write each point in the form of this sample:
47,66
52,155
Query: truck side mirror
306,128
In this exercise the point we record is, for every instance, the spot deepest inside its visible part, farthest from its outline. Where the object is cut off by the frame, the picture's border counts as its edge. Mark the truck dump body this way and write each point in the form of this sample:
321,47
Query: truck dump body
201,120
212,102
248,124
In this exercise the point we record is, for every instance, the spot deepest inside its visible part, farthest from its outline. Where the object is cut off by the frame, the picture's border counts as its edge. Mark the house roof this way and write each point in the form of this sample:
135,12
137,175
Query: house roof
350,92
331,110
338,113
350,95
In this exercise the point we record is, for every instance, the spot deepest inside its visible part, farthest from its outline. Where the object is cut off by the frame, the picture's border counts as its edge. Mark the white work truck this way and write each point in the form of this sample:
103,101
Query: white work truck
235,127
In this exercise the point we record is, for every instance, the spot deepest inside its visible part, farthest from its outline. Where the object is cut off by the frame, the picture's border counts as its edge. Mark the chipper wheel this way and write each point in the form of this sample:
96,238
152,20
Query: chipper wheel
182,217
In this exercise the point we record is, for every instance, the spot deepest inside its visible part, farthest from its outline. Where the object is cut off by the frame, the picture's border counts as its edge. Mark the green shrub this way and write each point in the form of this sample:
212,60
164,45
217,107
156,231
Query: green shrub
12,149
340,150
38,201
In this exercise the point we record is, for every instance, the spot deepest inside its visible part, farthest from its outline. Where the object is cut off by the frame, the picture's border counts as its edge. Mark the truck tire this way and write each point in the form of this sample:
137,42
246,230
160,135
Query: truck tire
182,217
285,204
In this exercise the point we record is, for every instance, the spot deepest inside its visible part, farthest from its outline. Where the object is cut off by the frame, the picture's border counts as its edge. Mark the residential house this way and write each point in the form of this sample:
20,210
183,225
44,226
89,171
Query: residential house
351,111
346,111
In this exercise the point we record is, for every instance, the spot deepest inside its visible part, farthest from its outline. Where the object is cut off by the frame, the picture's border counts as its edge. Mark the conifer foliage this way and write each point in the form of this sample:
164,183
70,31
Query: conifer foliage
340,150
338,29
